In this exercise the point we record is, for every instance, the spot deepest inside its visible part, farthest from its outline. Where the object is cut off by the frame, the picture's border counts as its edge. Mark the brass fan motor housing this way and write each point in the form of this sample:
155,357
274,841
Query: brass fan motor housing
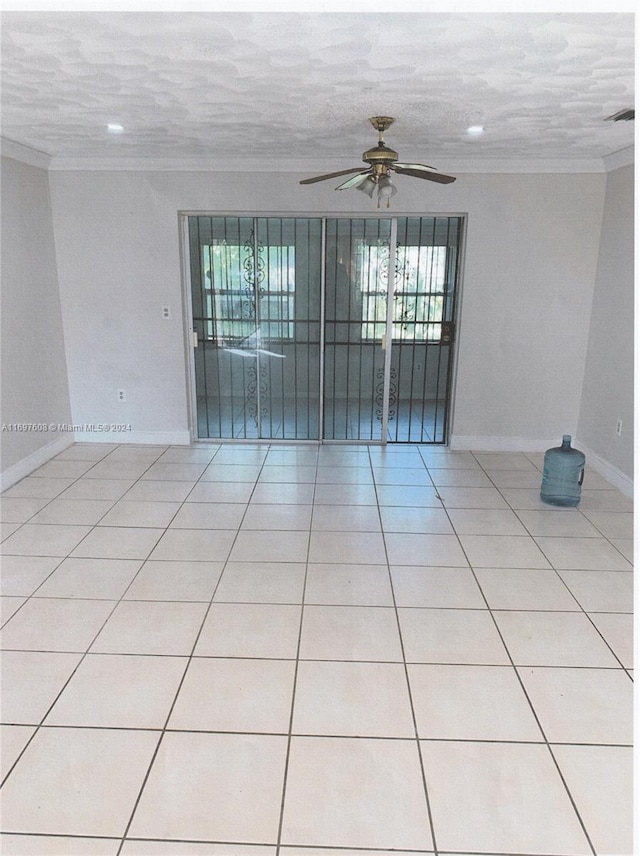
380,154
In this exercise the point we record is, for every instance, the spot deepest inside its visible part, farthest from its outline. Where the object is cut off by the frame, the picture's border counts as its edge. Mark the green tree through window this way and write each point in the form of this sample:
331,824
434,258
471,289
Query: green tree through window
418,304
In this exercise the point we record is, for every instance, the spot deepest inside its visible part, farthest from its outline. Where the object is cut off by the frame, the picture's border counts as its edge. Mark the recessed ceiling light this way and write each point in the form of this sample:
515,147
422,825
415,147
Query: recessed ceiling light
475,130
114,128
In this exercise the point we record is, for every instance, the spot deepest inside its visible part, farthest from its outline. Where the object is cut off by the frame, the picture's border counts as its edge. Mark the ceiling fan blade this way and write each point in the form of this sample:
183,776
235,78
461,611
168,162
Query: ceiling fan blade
351,182
420,166
430,176
330,175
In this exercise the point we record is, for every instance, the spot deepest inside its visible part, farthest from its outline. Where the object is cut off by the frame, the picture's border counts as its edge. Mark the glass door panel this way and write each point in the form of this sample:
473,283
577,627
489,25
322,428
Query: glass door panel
256,311
427,261
356,279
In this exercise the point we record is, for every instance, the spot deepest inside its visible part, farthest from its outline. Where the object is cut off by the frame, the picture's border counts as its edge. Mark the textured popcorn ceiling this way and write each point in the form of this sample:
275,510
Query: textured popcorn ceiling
282,88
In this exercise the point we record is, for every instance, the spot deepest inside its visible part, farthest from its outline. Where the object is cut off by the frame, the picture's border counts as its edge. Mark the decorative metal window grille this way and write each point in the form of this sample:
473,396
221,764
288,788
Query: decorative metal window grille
420,278
228,271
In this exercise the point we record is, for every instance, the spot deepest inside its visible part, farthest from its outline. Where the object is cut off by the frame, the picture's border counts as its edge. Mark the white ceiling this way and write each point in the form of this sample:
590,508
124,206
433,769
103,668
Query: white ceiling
295,90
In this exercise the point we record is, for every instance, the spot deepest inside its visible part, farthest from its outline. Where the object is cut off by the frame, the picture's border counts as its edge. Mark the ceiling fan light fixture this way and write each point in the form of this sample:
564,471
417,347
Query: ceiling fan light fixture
367,185
386,189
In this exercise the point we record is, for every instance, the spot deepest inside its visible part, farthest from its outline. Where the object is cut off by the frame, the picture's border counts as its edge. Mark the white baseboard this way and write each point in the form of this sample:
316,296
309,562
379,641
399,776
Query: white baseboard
36,459
528,444
612,474
498,444
149,438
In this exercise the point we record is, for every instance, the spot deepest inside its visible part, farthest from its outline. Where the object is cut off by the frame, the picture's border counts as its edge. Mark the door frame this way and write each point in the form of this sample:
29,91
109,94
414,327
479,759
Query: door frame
189,331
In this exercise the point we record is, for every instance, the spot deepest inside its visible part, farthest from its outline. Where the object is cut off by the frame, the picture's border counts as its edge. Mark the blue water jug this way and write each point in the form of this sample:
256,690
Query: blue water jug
563,474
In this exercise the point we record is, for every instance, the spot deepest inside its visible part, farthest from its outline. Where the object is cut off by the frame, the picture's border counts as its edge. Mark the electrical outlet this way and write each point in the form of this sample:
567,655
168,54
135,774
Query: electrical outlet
619,428
122,395
166,312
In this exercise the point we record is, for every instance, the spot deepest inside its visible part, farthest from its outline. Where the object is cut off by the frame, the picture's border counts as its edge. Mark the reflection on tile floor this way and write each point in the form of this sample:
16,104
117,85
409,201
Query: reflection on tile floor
258,649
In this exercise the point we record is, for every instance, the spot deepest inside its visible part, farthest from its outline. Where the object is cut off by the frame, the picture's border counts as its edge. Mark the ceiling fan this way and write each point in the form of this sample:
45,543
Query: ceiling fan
382,162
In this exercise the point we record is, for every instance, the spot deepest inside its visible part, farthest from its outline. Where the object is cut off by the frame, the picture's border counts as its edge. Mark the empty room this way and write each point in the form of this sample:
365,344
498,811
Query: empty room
317,443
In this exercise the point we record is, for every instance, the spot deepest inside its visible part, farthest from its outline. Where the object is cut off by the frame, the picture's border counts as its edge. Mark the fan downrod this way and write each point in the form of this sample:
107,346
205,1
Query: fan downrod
380,157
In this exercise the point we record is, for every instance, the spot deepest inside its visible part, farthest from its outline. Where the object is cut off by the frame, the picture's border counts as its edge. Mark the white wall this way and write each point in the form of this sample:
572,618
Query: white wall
34,371
118,264
531,257
530,265
608,382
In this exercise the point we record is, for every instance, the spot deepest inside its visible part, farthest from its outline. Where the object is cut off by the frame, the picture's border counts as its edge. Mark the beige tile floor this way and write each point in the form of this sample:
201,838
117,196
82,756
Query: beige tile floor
224,650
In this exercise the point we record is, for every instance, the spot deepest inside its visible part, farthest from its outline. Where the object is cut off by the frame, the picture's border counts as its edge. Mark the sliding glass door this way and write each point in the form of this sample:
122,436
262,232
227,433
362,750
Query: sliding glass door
336,329
255,293
387,354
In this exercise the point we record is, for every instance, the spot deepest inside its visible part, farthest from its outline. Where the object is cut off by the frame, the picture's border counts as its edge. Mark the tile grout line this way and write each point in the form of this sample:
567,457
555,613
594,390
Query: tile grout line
532,707
328,736
310,659
558,572
290,732
416,737
82,658
190,657
92,527
84,654
280,829
102,626
63,558
584,611
581,610
58,496
97,526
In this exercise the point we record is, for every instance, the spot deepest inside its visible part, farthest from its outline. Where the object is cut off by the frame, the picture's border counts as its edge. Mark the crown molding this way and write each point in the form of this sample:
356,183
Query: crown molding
477,165
315,167
25,154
